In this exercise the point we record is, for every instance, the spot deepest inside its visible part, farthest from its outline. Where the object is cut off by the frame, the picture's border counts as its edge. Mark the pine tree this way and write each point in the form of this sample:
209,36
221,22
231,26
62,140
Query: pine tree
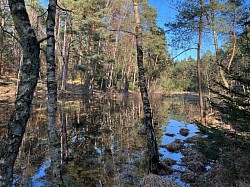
234,102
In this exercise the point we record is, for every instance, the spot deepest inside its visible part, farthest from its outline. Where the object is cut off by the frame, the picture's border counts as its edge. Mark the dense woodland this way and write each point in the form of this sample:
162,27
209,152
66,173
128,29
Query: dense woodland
116,46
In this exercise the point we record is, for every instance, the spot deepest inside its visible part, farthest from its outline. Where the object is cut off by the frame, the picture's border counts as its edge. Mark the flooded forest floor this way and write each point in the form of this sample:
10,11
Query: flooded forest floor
107,141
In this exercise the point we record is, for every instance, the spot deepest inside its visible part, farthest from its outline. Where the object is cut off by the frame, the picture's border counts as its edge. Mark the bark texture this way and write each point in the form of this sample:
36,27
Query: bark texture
199,64
52,95
2,22
11,142
153,155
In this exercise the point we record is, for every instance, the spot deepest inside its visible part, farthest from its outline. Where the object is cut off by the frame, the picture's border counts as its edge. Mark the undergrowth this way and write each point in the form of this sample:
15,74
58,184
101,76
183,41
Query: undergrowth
230,155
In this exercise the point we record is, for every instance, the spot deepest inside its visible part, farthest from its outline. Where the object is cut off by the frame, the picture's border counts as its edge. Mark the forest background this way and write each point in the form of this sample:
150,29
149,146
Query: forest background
99,48
96,50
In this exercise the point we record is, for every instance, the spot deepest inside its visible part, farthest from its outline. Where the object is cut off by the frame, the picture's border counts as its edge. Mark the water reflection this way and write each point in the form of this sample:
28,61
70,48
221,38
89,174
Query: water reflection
103,140
173,128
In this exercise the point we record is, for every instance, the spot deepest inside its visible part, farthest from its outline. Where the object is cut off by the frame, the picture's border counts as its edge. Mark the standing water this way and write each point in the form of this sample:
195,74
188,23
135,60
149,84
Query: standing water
103,142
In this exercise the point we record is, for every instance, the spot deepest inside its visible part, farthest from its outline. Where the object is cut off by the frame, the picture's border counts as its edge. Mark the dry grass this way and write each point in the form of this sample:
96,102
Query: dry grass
152,180
232,160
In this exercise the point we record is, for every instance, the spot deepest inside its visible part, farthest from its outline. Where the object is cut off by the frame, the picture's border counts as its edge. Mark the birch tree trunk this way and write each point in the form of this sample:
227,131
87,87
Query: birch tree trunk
153,155
55,150
9,146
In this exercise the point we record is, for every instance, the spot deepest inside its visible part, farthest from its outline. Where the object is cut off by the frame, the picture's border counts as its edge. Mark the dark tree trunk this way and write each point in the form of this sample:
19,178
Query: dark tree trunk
11,142
126,87
52,95
153,155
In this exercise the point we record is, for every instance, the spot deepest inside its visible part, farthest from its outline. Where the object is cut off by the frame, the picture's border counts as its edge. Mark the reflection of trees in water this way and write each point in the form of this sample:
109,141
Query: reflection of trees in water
179,108
105,137
109,127
63,116
34,146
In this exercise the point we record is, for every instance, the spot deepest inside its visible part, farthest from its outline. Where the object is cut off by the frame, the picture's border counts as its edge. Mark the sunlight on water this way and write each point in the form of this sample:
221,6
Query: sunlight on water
173,127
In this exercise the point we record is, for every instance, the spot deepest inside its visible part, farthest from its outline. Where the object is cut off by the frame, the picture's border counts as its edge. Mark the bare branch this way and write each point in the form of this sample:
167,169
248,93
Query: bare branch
40,17
42,40
42,14
183,52
43,50
9,33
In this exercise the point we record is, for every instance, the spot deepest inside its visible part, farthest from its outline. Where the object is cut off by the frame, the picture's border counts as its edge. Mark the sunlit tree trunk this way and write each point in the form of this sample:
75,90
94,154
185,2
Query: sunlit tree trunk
130,61
65,55
1,49
57,43
216,44
153,155
234,38
64,67
199,63
11,142
2,23
52,95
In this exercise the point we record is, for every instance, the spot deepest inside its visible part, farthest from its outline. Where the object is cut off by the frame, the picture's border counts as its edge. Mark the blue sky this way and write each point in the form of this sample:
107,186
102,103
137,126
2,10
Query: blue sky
166,13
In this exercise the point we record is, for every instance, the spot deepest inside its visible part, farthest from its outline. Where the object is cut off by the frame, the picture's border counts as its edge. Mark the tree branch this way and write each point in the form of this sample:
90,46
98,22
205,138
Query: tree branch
9,33
183,52
43,50
42,14
122,31
42,40
39,17
63,9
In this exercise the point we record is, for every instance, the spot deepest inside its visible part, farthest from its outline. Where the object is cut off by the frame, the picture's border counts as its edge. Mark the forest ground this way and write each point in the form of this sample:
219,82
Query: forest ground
228,151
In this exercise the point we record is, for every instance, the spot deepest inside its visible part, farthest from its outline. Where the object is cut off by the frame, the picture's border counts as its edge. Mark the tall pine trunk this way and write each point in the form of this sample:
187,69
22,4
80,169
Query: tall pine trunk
66,53
9,146
1,50
199,63
55,150
217,55
153,155
2,20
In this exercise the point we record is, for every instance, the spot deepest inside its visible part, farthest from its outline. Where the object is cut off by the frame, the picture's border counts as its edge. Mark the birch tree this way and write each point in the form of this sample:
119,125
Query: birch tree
11,142
153,155
52,94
